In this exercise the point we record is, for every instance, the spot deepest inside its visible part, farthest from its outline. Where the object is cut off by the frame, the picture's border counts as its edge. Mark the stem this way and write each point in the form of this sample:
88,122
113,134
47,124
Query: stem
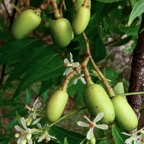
66,81
60,7
87,75
132,93
86,3
55,10
104,80
67,115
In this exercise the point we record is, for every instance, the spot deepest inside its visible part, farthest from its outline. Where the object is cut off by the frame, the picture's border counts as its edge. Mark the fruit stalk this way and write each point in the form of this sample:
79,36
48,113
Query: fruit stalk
105,81
86,3
55,9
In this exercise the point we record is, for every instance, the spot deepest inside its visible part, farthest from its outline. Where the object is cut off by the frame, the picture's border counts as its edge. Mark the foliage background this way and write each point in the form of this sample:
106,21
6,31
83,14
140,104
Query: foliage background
34,66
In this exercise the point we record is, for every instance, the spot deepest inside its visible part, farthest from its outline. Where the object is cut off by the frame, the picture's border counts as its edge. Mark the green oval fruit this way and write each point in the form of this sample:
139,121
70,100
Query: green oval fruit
56,105
25,23
92,140
81,20
97,100
79,3
61,32
125,115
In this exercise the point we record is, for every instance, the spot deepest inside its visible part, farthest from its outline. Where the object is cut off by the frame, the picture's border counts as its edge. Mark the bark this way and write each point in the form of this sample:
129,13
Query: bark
137,71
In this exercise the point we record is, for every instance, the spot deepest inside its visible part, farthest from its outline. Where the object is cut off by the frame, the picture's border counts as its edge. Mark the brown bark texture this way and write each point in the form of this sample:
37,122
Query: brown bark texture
137,71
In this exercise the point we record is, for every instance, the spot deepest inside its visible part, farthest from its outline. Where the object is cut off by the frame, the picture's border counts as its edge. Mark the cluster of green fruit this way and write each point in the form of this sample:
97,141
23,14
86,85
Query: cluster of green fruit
62,31
96,100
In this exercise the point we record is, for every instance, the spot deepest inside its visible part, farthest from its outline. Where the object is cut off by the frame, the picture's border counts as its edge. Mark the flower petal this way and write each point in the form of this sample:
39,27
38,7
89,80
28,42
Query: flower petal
76,64
71,58
83,124
18,128
99,117
89,134
75,81
36,121
66,61
126,133
36,101
83,80
23,122
129,140
68,71
102,126
30,141
41,138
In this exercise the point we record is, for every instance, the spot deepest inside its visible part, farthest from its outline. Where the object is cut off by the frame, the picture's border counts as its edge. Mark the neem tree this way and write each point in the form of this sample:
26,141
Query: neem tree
57,51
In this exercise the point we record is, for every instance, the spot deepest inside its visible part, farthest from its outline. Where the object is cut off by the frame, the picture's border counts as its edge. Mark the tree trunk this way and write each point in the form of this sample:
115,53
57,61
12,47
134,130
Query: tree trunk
137,71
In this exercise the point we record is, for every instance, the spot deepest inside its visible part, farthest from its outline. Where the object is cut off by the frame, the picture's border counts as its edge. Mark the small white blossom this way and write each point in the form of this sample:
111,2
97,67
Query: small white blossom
45,136
70,65
34,112
93,124
24,133
132,138
79,76
141,137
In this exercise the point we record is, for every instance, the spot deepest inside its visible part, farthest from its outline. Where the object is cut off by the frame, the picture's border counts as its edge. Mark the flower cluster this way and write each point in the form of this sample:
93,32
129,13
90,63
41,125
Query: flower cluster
70,64
25,131
135,138
93,124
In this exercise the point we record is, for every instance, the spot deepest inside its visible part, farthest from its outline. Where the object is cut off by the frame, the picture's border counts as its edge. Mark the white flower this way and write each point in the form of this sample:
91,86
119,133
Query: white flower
141,137
45,136
34,112
133,138
70,64
25,133
79,76
93,124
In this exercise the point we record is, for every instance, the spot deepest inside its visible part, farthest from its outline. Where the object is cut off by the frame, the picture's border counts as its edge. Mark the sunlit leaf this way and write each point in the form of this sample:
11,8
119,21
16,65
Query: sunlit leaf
118,137
137,10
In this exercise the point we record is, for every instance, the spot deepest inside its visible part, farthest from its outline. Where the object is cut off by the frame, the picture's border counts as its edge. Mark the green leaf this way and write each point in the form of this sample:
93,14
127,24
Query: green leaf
61,133
108,1
119,88
49,66
33,51
98,50
137,10
118,137
14,49
66,141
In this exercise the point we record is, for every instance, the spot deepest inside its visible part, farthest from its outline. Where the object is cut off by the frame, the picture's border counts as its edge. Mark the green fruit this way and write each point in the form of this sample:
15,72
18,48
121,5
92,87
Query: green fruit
79,3
61,32
125,115
97,100
81,20
56,105
92,140
25,23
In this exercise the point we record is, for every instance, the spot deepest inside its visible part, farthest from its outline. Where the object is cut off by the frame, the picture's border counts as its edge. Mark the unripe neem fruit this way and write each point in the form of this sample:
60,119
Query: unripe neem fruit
81,20
125,116
25,23
61,32
97,100
56,105
92,140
